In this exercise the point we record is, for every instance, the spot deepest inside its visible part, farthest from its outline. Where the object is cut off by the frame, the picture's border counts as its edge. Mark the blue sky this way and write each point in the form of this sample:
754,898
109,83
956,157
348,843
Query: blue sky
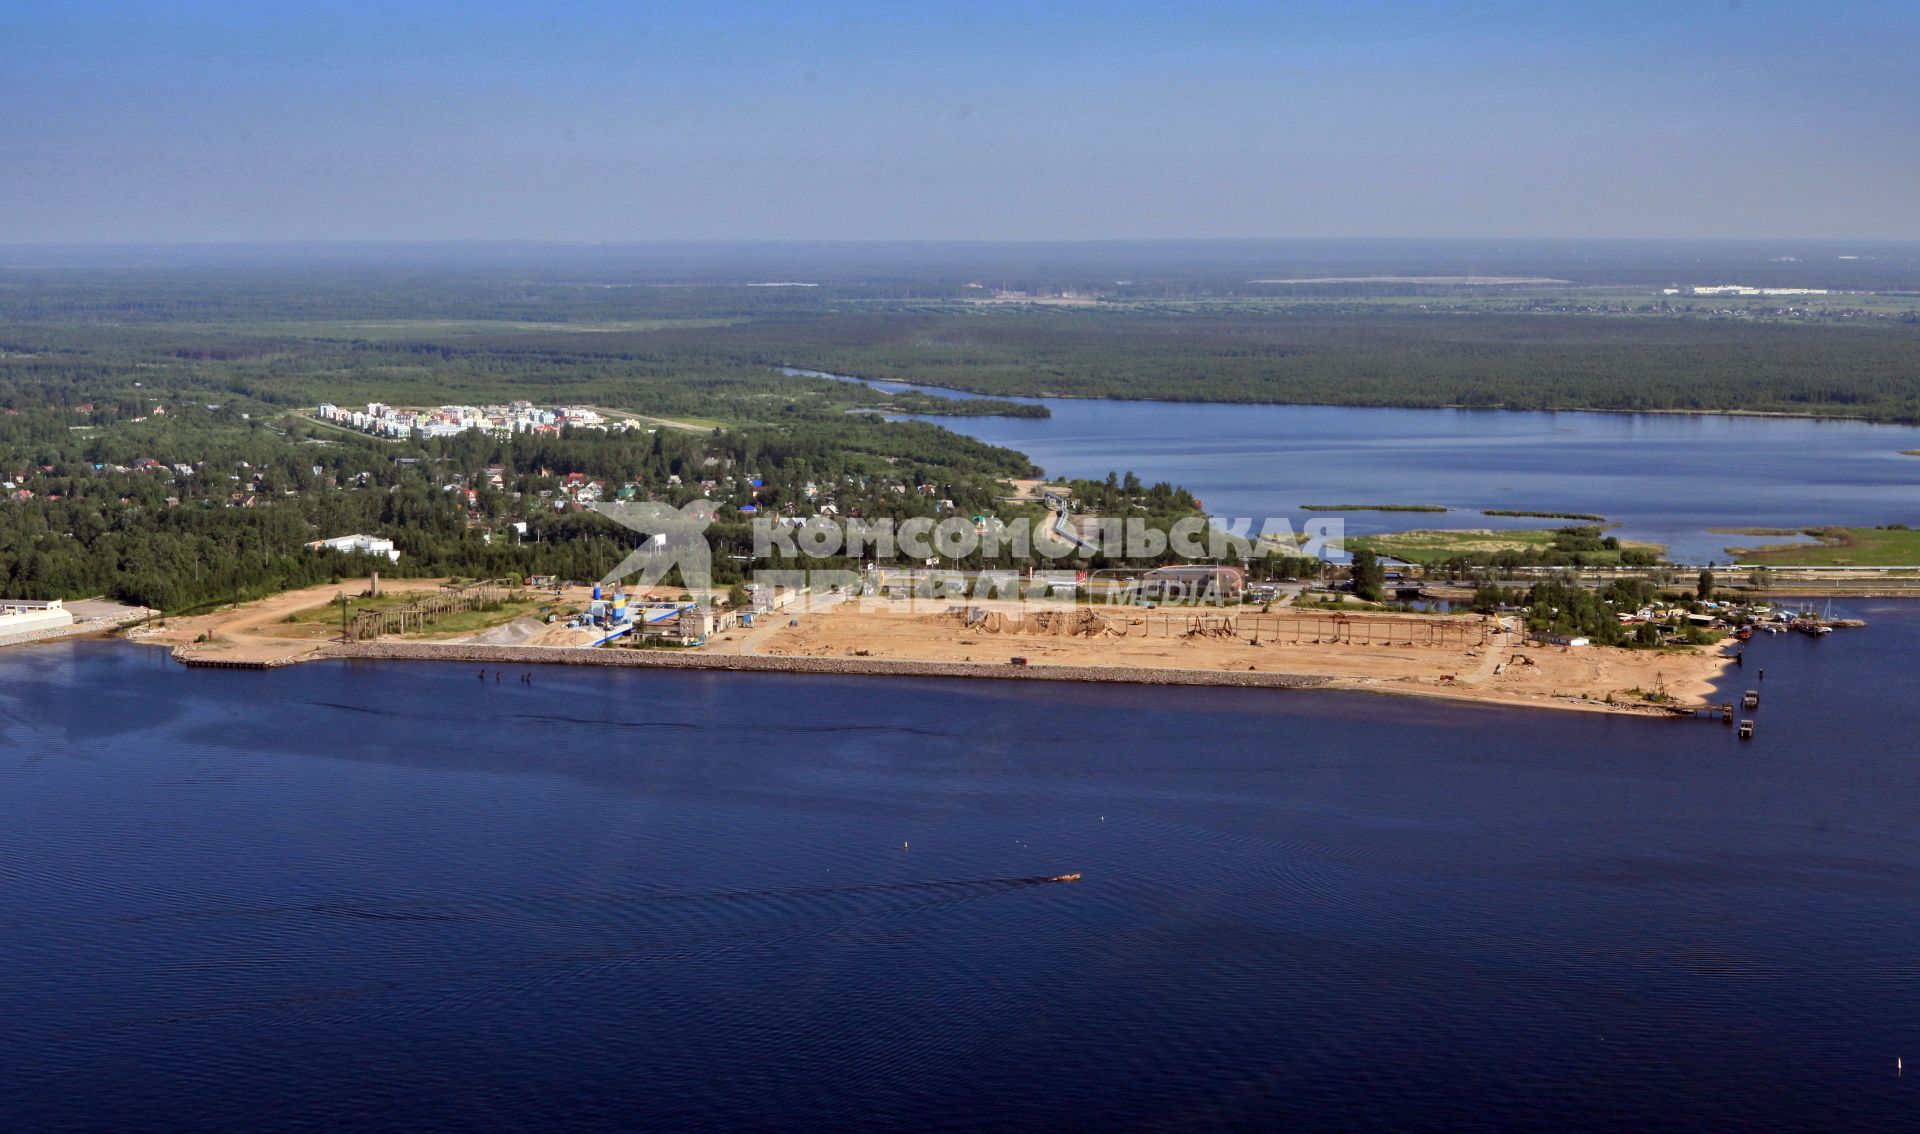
980,120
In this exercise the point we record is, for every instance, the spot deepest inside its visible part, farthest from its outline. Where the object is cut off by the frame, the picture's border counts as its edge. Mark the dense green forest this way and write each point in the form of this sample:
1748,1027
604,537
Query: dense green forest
173,466
157,439
610,331
197,503
1390,357
685,279
1386,358
65,366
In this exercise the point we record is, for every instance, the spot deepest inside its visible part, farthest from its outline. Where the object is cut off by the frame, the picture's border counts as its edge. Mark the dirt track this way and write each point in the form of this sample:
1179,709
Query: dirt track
259,631
1451,658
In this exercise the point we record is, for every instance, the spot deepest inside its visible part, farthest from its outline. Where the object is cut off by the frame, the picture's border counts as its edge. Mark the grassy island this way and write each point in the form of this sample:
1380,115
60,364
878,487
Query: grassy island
1583,545
1894,545
1372,508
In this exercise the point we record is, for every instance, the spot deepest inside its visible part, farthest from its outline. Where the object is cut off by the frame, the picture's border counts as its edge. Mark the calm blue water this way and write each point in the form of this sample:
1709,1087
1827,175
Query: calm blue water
390,897
1662,477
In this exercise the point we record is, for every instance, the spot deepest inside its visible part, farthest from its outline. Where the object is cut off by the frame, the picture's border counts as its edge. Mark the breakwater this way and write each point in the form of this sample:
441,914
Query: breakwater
188,657
844,666
81,628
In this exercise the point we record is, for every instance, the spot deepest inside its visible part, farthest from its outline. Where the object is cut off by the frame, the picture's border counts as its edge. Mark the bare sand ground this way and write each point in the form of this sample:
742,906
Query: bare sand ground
1434,656
259,631
1027,489
527,630
1431,656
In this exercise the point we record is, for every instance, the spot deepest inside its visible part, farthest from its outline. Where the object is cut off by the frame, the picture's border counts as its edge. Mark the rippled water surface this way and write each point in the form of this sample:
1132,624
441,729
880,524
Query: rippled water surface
1668,478
388,896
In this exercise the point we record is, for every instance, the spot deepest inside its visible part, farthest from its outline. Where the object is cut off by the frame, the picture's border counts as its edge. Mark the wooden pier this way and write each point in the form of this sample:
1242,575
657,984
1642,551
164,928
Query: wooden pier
194,661
416,616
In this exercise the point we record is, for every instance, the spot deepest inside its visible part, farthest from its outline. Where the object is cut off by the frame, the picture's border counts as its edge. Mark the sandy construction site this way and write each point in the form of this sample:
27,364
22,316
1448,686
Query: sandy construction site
1465,657
1452,656
266,630
258,631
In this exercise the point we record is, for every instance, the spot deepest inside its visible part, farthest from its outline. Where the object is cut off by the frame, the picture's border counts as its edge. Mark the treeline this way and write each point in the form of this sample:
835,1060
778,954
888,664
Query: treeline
239,294
1381,358
203,503
681,349
1123,494
578,283
1543,515
66,367
1582,545
1570,610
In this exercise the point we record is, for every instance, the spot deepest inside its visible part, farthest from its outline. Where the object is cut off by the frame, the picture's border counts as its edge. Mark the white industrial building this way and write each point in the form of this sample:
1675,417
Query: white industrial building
363,544
24,616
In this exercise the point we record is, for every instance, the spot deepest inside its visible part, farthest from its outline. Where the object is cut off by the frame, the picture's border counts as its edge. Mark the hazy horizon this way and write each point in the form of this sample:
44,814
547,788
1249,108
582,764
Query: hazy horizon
990,122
